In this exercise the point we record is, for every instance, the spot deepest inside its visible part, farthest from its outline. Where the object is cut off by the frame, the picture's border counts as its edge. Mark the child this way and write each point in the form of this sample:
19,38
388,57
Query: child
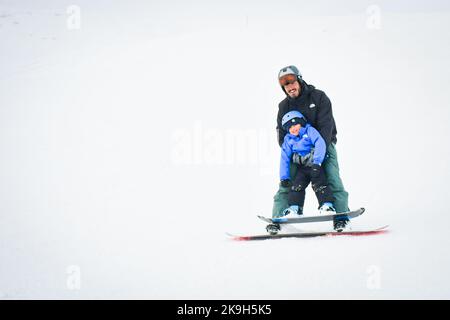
304,141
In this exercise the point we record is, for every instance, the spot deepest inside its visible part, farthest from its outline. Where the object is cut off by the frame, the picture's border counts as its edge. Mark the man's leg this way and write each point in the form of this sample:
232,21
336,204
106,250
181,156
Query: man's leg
280,200
331,167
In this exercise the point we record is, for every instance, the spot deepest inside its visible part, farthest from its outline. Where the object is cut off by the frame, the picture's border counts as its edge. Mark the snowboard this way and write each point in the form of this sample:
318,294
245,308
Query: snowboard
380,230
318,218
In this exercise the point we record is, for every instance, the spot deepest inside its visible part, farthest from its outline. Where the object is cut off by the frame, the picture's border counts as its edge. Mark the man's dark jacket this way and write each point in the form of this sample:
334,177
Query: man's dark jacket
315,107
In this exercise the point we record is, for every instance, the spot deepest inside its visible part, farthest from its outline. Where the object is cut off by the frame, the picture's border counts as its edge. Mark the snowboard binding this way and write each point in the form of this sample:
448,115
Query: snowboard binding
273,228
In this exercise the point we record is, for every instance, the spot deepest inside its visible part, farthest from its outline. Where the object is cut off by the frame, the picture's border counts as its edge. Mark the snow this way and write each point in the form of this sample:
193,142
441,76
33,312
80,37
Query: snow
133,141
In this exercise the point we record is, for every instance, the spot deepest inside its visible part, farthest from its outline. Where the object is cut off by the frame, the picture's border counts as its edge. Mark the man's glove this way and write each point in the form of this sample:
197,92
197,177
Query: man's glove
296,158
315,170
285,183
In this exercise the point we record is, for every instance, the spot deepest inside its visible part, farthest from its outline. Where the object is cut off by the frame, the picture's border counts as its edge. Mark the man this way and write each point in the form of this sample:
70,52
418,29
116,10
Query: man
316,108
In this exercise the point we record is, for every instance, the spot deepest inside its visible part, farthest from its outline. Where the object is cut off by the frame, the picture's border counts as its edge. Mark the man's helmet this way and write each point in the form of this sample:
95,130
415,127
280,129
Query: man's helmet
288,75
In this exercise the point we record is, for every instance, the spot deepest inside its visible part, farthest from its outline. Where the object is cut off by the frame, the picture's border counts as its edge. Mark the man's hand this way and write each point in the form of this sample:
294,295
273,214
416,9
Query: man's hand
296,158
285,183
315,170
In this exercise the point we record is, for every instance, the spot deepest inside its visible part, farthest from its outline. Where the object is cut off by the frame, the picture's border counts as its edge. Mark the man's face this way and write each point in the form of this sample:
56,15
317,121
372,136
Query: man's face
292,89
295,129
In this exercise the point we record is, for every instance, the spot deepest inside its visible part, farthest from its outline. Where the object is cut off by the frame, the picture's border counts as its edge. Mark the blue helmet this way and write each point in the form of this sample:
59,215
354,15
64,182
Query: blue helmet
291,118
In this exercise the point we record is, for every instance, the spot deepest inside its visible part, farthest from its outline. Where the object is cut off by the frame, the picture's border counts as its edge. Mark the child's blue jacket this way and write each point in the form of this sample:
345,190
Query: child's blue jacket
308,140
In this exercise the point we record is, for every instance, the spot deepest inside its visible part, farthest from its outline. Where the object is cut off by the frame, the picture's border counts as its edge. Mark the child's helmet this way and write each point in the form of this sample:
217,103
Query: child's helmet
291,118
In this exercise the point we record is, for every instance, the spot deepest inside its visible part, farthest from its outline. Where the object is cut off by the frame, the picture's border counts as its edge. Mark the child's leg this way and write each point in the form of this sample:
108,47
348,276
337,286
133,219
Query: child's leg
296,195
321,188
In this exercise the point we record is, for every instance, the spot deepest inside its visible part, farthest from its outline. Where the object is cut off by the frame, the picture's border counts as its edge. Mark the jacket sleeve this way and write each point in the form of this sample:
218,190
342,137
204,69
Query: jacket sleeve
280,135
286,153
280,132
320,148
325,121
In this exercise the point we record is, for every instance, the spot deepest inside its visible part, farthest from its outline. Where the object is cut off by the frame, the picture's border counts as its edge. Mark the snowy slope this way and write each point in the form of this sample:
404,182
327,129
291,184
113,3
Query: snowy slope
131,142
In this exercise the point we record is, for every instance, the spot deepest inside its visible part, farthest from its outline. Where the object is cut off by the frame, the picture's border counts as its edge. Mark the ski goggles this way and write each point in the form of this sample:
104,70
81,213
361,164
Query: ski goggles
287,79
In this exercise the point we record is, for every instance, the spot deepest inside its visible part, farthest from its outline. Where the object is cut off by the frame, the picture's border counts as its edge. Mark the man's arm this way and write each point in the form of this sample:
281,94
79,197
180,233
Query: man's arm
280,135
320,148
325,121
280,132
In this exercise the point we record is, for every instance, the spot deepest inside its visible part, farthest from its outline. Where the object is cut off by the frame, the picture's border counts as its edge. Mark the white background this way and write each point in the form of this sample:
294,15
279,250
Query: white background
134,134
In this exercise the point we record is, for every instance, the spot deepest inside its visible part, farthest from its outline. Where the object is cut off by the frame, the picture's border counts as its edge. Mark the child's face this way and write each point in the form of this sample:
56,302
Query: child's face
295,129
